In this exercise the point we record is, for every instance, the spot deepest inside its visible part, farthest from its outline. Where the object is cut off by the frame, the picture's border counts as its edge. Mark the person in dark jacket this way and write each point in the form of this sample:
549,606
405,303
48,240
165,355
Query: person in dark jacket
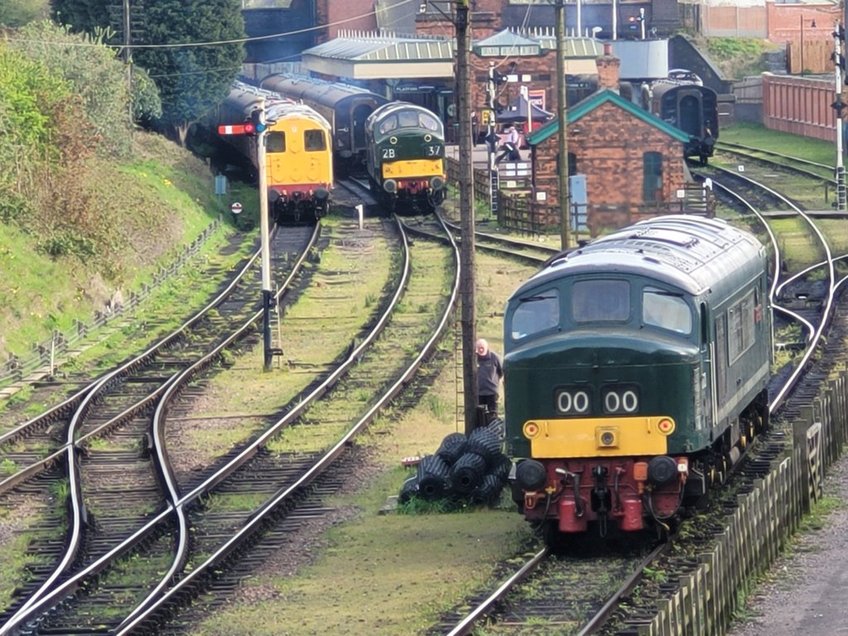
489,374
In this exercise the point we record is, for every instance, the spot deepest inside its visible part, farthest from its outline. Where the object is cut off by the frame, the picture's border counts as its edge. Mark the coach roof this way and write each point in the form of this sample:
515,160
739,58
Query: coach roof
694,254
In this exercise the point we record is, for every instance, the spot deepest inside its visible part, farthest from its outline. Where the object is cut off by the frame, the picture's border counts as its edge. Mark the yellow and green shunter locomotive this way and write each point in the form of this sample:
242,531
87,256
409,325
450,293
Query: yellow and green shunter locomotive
636,369
405,157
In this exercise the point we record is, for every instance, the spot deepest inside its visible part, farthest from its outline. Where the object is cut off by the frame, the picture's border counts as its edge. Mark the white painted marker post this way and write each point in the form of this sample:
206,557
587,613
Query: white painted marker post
360,209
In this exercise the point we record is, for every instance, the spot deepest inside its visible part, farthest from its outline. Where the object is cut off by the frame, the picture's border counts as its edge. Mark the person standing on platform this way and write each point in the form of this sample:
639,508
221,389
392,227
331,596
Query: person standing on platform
489,374
510,146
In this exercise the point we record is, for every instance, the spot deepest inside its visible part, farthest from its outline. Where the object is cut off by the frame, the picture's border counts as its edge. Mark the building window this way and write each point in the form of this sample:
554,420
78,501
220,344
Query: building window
652,177
572,164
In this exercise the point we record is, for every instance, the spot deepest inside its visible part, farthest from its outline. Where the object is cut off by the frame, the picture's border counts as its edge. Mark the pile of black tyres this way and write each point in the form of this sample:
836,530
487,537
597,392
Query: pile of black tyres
465,469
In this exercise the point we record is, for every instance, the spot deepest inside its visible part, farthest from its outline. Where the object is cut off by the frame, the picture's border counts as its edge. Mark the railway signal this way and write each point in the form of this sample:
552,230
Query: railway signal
257,122
256,125
838,106
235,129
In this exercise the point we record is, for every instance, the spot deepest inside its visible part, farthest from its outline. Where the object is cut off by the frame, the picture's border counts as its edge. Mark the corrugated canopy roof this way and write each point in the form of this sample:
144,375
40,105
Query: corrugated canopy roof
383,47
506,38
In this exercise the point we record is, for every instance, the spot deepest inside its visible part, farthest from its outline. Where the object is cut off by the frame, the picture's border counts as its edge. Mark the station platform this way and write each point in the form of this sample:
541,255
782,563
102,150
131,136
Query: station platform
806,589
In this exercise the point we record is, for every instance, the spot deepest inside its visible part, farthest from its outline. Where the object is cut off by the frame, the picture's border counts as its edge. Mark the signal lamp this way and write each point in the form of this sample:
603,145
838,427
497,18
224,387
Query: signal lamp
257,118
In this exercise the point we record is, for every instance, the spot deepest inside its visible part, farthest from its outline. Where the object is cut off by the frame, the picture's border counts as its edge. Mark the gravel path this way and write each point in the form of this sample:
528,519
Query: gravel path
806,590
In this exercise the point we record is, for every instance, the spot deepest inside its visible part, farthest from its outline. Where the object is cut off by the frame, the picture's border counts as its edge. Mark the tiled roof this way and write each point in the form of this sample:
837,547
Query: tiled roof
591,103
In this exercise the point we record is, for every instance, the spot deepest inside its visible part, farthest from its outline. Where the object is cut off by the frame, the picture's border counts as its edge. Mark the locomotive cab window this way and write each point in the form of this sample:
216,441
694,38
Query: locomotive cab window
313,140
600,301
666,310
388,124
535,314
275,142
428,122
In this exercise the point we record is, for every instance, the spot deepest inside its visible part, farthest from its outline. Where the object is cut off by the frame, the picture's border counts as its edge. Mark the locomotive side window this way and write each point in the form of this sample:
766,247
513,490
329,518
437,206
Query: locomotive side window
600,301
275,141
428,121
740,327
535,314
313,140
666,310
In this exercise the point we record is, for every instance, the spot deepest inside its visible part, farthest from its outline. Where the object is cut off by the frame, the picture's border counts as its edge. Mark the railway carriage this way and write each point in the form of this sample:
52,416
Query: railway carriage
691,107
299,165
406,157
636,370
346,107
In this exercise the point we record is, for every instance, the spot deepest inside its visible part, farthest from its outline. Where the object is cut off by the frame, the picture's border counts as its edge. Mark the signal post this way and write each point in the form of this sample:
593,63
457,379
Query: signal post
257,126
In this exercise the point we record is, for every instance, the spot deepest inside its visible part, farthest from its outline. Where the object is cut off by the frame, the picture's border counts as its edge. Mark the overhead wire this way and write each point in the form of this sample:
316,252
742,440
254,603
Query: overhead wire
257,38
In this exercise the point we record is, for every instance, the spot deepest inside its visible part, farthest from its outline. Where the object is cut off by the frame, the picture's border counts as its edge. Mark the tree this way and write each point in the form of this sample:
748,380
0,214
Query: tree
15,13
98,79
192,78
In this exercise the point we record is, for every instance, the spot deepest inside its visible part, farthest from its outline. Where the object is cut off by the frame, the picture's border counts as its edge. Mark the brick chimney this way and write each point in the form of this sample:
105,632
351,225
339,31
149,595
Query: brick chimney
608,69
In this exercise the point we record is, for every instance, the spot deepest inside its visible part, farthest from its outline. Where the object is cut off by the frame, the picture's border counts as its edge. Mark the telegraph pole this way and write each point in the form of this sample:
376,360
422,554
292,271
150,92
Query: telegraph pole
564,196
265,232
128,55
838,106
490,134
466,213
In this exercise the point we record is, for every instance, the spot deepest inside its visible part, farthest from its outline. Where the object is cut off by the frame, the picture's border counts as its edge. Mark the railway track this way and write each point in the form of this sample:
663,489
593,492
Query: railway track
218,525
534,594
338,417
104,467
805,167
527,252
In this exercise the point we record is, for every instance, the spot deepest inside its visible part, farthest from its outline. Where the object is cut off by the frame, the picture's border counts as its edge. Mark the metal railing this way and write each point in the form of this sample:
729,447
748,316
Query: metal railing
45,354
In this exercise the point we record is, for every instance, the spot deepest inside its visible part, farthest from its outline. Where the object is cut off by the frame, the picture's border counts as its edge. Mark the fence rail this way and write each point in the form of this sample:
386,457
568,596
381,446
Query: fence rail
44,354
754,534
517,211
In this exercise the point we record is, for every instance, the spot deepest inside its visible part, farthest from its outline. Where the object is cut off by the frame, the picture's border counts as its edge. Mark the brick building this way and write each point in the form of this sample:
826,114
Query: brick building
633,161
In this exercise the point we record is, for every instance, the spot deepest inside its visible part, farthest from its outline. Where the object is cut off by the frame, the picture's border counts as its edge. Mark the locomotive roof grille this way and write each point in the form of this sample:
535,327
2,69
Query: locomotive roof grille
691,253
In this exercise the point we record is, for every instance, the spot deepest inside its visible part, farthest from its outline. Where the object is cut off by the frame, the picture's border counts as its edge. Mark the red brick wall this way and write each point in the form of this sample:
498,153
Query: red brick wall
542,71
609,144
337,15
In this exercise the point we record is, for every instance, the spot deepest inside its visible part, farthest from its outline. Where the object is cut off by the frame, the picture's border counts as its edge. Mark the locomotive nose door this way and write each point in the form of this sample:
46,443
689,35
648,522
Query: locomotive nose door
706,410
691,116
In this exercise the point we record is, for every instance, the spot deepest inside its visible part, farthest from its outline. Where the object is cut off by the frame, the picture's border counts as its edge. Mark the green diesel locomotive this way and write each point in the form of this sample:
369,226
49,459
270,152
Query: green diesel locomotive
405,150
636,369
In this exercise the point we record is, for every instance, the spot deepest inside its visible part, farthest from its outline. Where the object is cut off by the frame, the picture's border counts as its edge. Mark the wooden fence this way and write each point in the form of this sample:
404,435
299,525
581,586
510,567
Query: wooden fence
753,535
516,210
